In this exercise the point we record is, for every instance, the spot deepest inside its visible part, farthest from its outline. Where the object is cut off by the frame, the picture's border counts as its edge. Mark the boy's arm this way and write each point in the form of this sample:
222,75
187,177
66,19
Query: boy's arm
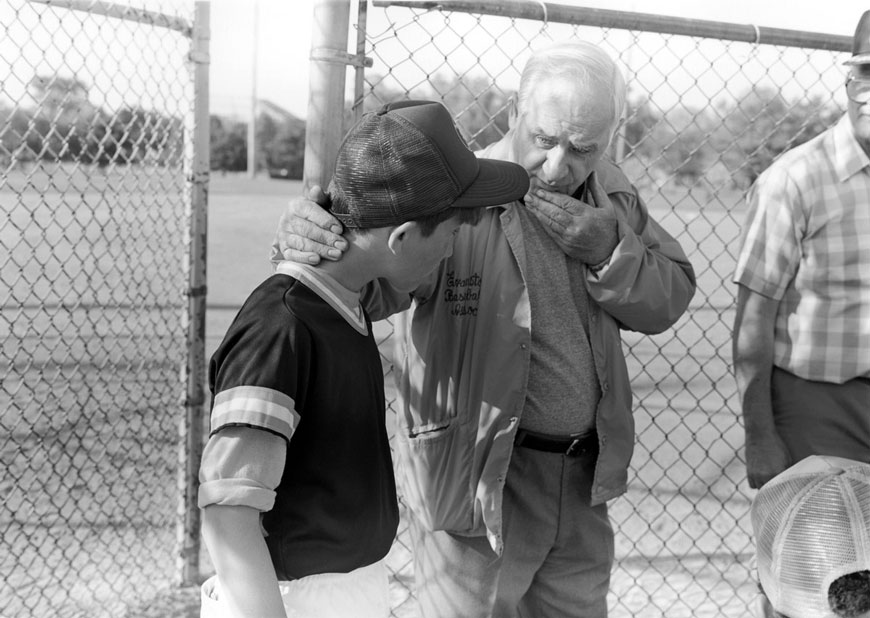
249,586
241,468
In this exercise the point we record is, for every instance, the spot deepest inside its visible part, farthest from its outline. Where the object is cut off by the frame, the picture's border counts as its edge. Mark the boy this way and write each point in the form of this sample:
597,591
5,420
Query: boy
298,439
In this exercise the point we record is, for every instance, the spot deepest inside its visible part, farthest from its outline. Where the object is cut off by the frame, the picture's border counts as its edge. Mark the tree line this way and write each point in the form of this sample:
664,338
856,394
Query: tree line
65,126
737,138
280,145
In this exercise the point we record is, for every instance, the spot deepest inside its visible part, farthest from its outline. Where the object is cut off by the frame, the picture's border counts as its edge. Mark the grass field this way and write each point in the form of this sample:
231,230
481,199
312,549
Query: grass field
94,391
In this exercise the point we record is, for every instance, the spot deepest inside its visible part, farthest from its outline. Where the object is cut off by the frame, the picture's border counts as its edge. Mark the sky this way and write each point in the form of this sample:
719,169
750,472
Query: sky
283,35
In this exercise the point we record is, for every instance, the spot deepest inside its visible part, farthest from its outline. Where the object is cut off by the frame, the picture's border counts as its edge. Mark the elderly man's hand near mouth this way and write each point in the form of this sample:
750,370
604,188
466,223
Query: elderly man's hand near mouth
587,233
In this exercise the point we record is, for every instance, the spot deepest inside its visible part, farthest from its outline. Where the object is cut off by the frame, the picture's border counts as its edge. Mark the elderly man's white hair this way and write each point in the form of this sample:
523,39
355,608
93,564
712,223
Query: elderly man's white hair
585,64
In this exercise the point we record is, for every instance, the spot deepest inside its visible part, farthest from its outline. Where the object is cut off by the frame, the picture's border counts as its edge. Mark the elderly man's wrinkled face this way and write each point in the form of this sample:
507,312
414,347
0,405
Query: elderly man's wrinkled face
560,134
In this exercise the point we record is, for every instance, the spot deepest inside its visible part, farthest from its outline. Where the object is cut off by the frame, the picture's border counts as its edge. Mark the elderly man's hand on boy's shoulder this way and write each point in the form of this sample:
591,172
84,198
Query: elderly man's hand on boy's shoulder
307,232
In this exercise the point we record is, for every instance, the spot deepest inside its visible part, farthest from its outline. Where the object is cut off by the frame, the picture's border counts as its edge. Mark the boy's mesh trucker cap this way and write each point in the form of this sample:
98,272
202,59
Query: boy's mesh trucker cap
407,161
812,526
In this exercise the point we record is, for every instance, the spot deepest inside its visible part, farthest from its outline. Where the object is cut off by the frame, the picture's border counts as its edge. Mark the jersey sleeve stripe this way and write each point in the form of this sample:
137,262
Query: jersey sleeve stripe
255,406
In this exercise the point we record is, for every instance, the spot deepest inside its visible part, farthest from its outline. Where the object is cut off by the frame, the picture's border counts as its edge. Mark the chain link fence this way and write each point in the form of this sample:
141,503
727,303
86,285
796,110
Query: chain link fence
102,266
710,106
97,190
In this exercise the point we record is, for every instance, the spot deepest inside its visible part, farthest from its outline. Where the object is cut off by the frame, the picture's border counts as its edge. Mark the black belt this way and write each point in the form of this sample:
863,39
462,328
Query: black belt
572,446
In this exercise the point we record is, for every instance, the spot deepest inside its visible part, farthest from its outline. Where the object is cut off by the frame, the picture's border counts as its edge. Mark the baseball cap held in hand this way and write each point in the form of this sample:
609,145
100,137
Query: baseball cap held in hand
812,527
407,161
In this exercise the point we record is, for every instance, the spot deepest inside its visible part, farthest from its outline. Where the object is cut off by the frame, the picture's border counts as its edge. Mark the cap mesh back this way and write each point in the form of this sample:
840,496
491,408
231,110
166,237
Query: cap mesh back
388,173
811,529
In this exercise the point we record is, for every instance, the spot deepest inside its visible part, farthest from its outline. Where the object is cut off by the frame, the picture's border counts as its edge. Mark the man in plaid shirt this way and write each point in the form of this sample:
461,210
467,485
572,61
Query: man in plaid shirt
802,330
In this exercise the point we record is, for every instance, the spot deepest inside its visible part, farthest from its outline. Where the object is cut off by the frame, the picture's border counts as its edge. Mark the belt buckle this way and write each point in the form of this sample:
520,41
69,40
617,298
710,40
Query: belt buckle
574,447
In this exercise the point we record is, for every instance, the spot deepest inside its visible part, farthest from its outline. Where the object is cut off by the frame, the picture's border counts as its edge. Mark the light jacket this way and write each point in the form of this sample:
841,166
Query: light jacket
462,357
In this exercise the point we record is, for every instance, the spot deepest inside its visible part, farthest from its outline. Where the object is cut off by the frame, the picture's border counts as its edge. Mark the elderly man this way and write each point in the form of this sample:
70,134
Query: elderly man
515,424
802,331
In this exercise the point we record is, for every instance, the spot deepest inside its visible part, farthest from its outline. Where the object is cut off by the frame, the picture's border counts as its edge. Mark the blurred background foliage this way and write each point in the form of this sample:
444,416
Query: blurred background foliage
734,140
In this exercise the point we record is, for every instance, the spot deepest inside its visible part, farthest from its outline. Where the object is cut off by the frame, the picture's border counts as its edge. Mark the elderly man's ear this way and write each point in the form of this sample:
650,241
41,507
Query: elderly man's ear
619,125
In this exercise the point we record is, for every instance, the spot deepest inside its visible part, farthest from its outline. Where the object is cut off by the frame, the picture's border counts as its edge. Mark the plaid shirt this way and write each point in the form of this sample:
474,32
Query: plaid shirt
807,245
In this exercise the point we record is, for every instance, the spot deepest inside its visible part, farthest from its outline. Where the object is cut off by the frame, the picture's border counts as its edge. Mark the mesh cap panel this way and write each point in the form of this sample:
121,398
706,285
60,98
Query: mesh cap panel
388,173
408,161
812,526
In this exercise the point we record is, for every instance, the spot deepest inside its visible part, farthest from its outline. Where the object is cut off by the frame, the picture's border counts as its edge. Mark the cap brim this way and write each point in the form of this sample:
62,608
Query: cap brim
497,182
858,59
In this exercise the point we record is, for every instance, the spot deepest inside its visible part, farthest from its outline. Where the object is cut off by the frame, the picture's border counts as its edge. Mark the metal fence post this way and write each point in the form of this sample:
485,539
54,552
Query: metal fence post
359,72
326,85
196,182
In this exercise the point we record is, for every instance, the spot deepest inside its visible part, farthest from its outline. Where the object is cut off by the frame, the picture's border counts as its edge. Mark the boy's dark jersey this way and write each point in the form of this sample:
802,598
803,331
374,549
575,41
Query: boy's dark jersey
335,508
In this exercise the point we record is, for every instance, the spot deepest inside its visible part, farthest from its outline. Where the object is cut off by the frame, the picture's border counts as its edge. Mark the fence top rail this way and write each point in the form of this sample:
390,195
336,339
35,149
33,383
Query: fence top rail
624,20
128,13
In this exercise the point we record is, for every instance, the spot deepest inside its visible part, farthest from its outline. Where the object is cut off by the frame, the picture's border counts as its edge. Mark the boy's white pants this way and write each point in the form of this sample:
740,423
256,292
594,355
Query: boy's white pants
363,593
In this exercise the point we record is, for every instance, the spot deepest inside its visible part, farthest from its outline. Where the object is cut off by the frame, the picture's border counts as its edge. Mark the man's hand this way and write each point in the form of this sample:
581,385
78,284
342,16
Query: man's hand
307,232
765,458
584,232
